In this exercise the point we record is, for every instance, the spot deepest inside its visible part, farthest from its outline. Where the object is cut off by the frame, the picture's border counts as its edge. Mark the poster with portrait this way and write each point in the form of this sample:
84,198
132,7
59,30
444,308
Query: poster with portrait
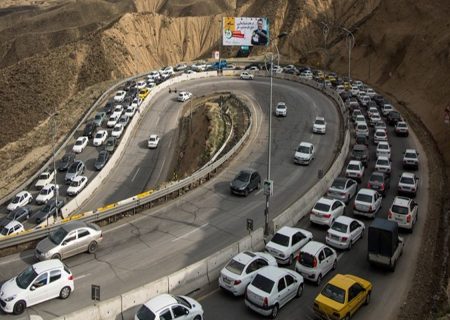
245,31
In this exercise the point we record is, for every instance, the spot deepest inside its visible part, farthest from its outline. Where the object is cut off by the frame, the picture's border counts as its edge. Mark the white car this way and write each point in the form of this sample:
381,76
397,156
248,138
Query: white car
359,118
339,89
39,282
76,185
371,111
383,164
386,108
362,129
380,125
306,75
342,189
379,135
315,261
374,118
281,109
21,199
181,67
46,193
320,125
154,75
117,131
401,129
370,92
136,102
153,141
271,289
184,96
118,111
100,137
326,210
286,243
199,66
13,227
365,99
168,69
405,212
130,111
304,153
241,270
246,76
411,159
167,306
45,178
354,90
355,170
112,121
120,96
344,232
80,144
141,84
408,184
383,149
367,203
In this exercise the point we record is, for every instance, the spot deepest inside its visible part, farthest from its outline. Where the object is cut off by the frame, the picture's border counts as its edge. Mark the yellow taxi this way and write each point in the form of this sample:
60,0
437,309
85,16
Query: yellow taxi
143,93
331,78
347,86
342,296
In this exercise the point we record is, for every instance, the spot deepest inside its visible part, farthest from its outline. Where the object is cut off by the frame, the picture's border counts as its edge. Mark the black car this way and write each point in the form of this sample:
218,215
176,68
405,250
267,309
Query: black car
360,152
48,210
245,182
89,129
19,214
102,159
379,181
66,161
379,100
393,117
362,139
109,107
132,93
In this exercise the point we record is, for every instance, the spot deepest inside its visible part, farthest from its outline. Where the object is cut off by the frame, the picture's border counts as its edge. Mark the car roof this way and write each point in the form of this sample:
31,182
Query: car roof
410,151
355,162
383,142
43,266
408,174
312,247
360,147
73,225
320,118
341,281
245,257
383,158
13,223
380,130
401,201
281,103
272,272
249,171
370,192
326,200
21,193
77,178
305,144
344,219
153,136
288,231
160,302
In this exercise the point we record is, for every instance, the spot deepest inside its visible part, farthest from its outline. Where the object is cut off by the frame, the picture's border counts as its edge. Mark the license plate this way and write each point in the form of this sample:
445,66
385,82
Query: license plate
226,280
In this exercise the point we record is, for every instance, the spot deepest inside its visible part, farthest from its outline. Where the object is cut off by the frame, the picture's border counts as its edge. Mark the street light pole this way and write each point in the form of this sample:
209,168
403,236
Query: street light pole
351,44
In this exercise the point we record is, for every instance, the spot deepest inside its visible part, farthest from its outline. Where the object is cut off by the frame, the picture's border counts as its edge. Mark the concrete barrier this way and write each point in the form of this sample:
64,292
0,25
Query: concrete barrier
108,309
216,262
190,278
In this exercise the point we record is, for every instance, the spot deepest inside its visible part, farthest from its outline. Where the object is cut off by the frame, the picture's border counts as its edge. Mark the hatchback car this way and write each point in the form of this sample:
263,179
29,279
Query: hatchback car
386,108
46,193
320,125
77,168
50,209
19,214
344,232
271,289
325,211
80,144
405,212
101,160
304,153
45,178
410,159
71,238
11,228
315,261
130,111
401,129
380,125
167,306
383,164
355,114
153,141
66,161
39,282
383,149
342,296
281,109
100,137
408,184
245,182
240,271
76,185
360,152
367,203
355,170
20,200
286,243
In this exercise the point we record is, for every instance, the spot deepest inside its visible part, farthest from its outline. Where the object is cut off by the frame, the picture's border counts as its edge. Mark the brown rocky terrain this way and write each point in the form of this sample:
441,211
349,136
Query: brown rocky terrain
60,55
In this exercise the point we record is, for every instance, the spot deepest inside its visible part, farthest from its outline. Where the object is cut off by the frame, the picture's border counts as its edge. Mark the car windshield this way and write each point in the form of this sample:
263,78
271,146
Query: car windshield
145,313
383,162
364,198
410,155
183,301
320,122
281,106
303,149
243,176
358,152
340,227
280,239
407,180
4,231
262,283
383,147
99,135
339,184
75,183
58,235
361,127
24,279
353,167
16,199
45,191
110,142
79,142
117,128
334,293
235,267
73,168
43,176
376,178
322,207
306,259
399,209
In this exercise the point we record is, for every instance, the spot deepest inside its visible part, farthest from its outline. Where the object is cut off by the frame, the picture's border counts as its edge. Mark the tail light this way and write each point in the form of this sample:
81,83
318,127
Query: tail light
390,214
236,282
354,205
265,302
370,208
344,238
328,215
315,262
369,186
70,277
408,218
382,186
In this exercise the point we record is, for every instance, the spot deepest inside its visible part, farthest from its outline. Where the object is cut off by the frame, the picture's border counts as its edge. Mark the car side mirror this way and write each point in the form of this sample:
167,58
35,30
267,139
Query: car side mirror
32,288
64,243
186,312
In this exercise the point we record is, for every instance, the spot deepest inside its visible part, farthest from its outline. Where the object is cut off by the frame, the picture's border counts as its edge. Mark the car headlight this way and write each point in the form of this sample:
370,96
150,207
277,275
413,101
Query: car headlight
10,298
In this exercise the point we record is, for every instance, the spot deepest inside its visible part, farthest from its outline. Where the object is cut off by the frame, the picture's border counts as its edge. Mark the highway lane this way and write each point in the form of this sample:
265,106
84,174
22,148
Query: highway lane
390,288
167,238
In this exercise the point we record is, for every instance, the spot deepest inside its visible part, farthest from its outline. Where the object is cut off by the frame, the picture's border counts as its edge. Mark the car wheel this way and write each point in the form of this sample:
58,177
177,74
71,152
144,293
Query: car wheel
274,313
300,291
198,318
367,301
92,247
246,192
56,256
350,244
319,280
335,264
258,186
64,293
291,259
19,307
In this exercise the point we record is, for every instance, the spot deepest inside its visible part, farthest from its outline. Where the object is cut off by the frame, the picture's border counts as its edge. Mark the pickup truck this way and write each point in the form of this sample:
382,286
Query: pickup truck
385,246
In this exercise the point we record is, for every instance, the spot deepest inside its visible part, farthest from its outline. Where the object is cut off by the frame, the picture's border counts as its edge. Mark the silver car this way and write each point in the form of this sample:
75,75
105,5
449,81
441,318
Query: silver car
70,239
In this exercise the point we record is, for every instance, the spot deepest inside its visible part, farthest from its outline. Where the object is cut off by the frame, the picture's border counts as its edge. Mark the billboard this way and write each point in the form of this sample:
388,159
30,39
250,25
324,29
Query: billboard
245,31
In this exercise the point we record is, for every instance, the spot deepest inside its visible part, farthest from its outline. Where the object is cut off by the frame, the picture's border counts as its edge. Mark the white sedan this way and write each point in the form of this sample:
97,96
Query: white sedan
153,141
80,144
112,121
241,270
344,232
184,96
46,193
21,199
246,76
120,96
117,131
355,170
45,178
320,125
326,210
100,137
76,185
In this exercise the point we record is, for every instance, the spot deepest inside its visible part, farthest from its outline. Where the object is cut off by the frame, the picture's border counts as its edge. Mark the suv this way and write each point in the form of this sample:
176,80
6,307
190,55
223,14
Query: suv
360,152
411,159
367,203
304,153
315,261
405,212
380,182
281,109
245,182
39,282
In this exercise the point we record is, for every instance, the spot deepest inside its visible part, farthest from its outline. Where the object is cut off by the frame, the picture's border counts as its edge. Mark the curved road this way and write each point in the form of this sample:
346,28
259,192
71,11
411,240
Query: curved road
167,238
